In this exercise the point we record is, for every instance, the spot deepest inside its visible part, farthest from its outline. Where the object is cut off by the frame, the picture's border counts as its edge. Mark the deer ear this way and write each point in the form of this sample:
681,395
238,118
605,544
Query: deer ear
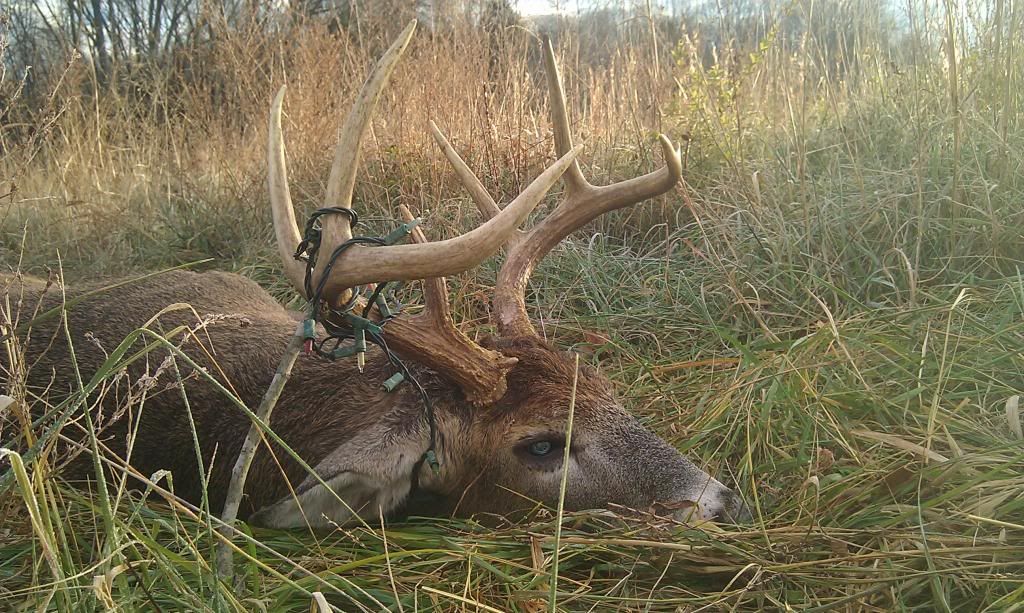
367,475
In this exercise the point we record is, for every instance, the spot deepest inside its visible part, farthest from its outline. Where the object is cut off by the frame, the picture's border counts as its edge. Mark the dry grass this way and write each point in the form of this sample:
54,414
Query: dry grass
830,314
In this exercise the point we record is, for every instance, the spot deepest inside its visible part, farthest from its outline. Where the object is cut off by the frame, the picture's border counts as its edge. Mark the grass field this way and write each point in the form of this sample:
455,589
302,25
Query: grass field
829,314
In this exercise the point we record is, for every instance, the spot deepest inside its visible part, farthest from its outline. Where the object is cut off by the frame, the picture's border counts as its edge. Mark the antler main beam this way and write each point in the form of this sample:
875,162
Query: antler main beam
582,204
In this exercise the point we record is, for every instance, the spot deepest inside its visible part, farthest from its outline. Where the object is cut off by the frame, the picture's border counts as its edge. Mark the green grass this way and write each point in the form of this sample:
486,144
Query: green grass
828,431
830,315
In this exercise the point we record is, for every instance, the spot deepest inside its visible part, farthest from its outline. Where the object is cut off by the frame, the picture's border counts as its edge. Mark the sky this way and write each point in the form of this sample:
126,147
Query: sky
543,7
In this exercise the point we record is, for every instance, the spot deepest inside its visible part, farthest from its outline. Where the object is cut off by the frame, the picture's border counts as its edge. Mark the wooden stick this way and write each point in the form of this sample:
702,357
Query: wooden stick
225,567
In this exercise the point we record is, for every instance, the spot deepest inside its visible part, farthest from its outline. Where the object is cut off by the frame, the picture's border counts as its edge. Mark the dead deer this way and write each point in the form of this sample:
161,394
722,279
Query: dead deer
501,406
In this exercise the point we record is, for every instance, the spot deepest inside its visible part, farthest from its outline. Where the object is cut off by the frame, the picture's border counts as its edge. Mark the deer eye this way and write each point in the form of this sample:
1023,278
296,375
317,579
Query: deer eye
540,448
541,452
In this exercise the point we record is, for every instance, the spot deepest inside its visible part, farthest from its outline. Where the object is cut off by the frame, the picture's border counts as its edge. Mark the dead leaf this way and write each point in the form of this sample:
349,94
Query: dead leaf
535,605
536,554
824,461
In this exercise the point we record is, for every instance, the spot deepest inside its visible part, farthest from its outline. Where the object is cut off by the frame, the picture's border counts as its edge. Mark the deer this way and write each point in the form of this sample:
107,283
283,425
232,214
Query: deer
500,404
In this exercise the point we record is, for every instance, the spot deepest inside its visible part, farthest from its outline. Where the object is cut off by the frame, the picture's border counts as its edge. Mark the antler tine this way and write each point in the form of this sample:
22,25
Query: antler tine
337,229
431,336
581,204
573,178
342,180
435,290
484,203
481,198
285,228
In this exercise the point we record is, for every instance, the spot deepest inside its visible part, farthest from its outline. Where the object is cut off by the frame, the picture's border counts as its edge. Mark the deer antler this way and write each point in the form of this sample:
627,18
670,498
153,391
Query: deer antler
430,337
582,203
360,265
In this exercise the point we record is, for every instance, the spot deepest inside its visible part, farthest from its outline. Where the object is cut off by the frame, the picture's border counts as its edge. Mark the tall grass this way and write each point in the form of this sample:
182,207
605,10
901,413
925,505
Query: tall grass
830,314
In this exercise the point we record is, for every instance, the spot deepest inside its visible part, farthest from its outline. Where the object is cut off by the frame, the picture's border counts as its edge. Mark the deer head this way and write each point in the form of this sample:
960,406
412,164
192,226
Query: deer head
504,429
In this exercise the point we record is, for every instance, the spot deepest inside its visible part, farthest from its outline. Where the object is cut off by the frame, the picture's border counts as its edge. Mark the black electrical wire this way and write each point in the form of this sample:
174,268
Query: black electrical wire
308,252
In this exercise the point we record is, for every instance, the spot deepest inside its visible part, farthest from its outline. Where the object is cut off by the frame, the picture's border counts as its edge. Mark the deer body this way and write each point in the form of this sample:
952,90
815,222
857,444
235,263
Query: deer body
501,408
363,441
241,346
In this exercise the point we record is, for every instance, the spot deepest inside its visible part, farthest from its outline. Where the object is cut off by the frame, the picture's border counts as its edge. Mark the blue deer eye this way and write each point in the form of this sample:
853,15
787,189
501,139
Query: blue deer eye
543,451
540,448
